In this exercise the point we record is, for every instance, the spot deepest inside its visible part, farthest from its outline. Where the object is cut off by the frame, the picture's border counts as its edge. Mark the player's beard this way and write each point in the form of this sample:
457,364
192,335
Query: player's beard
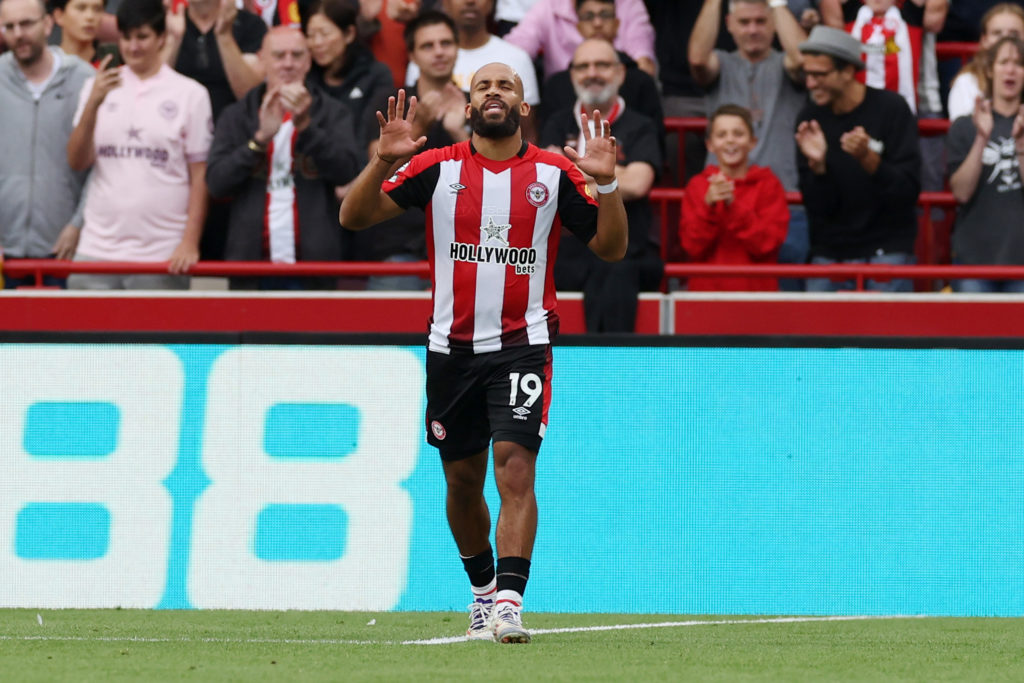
499,129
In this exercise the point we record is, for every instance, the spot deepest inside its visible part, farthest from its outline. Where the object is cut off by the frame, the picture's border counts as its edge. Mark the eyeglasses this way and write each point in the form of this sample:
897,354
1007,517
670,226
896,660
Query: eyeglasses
23,25
606,14
600,66
817,75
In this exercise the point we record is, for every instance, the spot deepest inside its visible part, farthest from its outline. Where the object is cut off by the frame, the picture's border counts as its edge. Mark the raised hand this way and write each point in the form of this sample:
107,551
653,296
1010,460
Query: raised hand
226,17
396,130
812,143
982,117
106,80
1018,128
271,116
601,150
175,20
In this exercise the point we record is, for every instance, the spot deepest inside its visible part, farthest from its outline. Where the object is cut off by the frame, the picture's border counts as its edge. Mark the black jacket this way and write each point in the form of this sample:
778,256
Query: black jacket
325,156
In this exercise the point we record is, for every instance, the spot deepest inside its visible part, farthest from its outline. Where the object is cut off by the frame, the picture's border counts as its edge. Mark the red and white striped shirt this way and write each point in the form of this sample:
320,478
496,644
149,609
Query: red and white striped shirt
492,235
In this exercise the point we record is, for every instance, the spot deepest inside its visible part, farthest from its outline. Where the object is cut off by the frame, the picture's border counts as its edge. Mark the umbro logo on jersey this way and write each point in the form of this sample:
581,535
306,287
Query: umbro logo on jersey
356,93
457,187
520,413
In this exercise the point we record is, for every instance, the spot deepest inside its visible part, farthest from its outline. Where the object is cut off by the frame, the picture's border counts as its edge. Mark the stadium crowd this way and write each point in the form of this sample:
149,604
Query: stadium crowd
176,131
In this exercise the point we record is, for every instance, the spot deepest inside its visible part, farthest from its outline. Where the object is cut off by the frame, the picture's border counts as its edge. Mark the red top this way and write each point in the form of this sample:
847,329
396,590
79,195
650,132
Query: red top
750,230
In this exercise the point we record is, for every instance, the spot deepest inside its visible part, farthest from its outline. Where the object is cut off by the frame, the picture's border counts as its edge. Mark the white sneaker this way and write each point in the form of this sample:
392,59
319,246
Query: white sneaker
508,624
480,620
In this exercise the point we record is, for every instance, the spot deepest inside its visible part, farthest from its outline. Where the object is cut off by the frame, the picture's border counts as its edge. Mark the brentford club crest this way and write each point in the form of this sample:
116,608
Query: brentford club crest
537,194
438,430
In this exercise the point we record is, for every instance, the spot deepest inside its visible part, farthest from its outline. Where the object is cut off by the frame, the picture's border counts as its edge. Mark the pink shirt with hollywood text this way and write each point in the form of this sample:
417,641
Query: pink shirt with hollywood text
147,133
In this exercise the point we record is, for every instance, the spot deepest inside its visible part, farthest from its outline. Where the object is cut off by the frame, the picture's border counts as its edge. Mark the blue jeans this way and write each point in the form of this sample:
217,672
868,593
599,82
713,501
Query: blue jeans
988,286
795,248
896,258
30,280
399,283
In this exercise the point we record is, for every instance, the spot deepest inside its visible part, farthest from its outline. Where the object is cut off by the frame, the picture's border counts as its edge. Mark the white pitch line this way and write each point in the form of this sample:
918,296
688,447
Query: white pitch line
444,640
669,624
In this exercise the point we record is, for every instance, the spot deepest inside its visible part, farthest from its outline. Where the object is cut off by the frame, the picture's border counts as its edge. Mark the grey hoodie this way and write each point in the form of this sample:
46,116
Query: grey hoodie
39,193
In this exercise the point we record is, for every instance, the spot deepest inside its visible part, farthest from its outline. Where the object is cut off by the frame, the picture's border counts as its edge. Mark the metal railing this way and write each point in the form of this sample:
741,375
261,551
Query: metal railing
858,273
926,128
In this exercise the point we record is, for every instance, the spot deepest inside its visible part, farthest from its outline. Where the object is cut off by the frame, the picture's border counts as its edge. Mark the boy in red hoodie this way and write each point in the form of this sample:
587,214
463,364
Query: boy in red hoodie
736,213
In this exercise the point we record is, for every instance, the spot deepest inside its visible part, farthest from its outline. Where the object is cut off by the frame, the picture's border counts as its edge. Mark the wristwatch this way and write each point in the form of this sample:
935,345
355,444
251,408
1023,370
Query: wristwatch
255,146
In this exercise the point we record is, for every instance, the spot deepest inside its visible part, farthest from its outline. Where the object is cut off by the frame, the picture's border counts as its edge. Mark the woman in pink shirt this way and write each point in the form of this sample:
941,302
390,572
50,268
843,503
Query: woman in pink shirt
145,130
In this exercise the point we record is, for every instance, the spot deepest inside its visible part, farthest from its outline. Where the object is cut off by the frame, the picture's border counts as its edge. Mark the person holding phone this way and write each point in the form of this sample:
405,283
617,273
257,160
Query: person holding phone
145,130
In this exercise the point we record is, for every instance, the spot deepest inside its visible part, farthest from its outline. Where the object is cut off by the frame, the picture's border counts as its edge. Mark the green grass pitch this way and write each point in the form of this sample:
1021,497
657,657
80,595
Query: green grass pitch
145,645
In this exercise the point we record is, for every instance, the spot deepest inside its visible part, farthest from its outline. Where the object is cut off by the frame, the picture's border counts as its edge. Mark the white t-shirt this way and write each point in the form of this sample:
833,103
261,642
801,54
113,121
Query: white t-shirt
147,133
495,50
37,89
962,95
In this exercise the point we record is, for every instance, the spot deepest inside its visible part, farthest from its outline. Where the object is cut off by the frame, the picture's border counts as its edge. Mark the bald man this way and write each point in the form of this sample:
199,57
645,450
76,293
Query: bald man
277,154
493,204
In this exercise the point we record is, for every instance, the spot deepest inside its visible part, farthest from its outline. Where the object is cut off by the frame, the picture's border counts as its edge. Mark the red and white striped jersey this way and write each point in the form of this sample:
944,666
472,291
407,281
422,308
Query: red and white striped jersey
492,236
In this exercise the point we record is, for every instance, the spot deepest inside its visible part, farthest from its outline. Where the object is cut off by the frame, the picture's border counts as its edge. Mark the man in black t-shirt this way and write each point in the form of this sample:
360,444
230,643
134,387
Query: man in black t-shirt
859,164
610,289
216,44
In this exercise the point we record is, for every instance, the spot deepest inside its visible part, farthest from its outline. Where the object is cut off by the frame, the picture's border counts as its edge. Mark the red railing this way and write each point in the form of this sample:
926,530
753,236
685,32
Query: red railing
955,50
697,124
859,273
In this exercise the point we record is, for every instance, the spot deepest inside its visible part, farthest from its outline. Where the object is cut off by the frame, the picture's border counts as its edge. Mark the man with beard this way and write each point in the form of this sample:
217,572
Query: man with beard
609,289
40,195
492,203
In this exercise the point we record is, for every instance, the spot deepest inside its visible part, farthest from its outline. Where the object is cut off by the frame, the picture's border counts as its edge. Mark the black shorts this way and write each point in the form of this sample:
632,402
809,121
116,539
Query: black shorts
473,399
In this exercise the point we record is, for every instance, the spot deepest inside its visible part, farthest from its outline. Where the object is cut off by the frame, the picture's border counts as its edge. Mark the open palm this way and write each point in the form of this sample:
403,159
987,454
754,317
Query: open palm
599,160
396,140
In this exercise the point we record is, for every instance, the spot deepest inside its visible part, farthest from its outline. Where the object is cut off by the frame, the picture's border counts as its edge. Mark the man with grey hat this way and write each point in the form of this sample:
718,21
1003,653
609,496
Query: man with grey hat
859,163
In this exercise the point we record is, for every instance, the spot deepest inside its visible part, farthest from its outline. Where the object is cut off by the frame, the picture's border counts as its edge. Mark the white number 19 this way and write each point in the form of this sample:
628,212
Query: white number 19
531,385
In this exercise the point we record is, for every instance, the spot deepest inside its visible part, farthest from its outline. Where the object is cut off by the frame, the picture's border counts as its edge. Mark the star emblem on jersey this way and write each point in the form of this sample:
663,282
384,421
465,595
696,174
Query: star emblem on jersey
493,230
134,133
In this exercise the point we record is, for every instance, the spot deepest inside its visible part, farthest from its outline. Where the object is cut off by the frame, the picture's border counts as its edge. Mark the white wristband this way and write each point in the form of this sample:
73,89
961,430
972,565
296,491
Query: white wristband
609,188
774,4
